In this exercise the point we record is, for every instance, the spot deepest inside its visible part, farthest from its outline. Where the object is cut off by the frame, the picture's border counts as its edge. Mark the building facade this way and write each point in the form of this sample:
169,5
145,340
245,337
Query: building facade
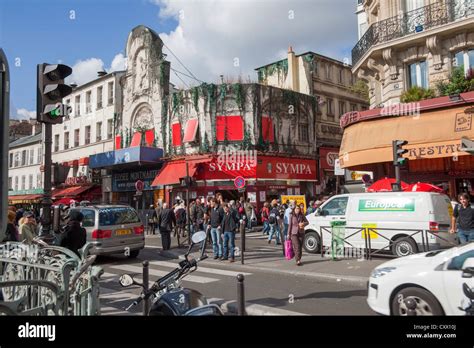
25,159
164,135
331,83
412,43
89,129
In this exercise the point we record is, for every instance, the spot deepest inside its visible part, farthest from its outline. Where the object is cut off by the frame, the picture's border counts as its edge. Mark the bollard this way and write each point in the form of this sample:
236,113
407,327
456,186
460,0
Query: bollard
146,302
242,242
240,295
411,305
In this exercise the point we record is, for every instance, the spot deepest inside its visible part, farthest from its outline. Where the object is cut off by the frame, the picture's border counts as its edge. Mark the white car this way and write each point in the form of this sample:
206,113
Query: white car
433,279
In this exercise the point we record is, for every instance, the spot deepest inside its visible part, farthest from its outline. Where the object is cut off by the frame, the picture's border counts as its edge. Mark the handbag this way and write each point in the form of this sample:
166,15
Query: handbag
289,253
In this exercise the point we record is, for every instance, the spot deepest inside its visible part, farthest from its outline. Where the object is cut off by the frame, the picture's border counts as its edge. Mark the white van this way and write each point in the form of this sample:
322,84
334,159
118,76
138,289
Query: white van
402,214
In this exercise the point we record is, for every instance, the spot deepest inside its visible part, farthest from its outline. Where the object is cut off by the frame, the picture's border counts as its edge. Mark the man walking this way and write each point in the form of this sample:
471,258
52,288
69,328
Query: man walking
166,221
216,215
274,223
229,224
463,220
197,216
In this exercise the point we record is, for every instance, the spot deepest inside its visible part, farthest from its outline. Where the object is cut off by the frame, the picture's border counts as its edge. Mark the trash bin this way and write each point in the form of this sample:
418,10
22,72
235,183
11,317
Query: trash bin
338,232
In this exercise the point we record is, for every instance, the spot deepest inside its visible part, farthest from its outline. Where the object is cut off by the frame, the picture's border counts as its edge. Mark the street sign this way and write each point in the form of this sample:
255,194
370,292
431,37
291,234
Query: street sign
139,185
239,182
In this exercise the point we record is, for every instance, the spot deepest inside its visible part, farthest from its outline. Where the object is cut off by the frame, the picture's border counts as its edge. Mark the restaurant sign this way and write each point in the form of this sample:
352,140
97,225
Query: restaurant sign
125,181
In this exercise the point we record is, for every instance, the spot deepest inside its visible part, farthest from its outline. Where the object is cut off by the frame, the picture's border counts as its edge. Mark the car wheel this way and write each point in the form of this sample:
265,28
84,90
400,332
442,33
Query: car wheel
134,254
427,304
404,246
312,242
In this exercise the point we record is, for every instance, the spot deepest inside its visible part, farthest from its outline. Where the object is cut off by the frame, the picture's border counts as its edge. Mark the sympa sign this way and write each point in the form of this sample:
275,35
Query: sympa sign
267,167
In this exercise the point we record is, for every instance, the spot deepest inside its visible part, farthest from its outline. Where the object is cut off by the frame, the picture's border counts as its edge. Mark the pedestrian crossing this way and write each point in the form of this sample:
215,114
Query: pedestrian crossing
114,298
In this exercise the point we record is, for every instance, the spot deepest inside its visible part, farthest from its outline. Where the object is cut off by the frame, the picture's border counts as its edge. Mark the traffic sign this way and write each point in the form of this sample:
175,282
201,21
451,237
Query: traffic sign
139,185
239,182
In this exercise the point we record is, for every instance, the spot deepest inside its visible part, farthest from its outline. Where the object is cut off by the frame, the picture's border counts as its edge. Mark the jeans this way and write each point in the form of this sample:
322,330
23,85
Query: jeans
266,227
216,241
465,236
229,237
285,232
274,230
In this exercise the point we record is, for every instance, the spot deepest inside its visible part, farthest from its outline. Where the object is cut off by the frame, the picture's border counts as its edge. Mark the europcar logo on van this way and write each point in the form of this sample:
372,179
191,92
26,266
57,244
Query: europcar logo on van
394,204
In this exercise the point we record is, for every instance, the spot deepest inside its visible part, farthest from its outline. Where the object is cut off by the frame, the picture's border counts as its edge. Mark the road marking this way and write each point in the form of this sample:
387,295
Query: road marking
201,269
158,273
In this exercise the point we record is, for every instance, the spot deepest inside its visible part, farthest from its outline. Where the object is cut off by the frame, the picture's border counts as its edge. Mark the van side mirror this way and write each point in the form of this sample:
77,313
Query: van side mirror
321,212
468,268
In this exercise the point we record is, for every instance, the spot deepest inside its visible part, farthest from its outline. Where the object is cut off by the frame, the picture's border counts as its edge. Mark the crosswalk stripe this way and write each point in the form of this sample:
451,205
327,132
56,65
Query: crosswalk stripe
201,269
158,273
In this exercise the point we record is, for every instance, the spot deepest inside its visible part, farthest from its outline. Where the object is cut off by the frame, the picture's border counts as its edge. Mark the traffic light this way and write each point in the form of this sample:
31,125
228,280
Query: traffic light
399,151
50,92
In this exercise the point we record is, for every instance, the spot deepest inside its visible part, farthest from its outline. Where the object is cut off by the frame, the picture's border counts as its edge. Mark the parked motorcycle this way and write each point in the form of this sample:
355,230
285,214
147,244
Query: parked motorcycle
167,295
468,306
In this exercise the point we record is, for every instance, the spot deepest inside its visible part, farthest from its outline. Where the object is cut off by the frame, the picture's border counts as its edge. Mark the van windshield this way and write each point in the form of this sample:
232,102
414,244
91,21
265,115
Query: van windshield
117,216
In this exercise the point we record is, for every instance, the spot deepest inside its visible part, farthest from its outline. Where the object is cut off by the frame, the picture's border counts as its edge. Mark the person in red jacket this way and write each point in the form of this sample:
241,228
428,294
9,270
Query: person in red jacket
265,215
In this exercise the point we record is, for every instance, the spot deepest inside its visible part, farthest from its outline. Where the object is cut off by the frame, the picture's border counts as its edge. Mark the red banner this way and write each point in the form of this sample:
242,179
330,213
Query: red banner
286,168
327,155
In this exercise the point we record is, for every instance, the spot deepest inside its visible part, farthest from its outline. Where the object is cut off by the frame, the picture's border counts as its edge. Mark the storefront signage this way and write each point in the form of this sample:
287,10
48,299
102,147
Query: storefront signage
297,198
286,168
463,122
434,151
387,205
123,182
77,180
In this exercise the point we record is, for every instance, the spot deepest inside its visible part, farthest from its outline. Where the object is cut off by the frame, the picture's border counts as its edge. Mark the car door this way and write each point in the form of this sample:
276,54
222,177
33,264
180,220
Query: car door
453,281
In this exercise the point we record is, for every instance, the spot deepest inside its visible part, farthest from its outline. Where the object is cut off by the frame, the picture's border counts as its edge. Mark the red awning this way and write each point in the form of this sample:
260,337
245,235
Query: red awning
136,139
172,172
74,163
72,191
191,130
84,161
24,199
176,134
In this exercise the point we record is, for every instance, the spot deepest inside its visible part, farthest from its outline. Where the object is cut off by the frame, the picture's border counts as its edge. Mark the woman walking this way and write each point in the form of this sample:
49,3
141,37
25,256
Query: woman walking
28,228
11,234
296,224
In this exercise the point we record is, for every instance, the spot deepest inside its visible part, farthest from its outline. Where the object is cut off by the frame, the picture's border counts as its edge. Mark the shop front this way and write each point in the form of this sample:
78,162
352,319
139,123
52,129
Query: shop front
266,177
328,180
434,143
26,199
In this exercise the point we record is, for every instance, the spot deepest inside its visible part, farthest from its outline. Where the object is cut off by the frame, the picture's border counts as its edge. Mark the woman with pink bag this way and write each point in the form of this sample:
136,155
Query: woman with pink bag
296,232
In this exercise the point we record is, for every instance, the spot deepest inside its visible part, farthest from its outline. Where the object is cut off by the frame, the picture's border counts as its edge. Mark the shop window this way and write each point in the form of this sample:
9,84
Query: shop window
267,129
229,128
176,134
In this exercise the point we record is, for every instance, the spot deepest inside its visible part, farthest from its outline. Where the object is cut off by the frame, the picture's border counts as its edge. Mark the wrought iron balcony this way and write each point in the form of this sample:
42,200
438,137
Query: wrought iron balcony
412,22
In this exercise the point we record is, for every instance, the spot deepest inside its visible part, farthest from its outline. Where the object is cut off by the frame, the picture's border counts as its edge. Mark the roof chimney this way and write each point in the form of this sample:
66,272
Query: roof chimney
101,73
292,71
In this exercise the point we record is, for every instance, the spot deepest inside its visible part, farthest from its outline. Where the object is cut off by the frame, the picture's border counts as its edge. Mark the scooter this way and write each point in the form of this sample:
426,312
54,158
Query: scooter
167,295
466,306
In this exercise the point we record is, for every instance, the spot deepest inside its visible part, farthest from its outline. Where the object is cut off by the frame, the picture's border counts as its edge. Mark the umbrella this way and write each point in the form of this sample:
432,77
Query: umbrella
423,187
384,185
65,201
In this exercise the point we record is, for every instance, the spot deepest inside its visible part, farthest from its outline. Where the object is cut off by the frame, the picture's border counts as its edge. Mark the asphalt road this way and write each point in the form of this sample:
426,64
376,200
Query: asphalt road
273,293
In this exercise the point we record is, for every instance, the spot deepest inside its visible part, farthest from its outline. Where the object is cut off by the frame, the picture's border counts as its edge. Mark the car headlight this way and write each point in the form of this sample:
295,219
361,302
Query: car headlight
379,272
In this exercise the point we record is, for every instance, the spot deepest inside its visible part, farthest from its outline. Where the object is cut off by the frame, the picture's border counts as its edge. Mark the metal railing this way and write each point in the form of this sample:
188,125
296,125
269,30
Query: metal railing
369,232
412,22
47,280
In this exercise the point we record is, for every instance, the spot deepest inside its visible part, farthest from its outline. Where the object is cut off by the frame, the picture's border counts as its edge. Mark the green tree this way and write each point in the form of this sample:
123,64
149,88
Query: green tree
458,82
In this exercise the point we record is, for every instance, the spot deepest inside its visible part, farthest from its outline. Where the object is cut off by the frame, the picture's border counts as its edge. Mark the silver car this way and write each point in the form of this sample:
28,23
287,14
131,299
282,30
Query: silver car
113,229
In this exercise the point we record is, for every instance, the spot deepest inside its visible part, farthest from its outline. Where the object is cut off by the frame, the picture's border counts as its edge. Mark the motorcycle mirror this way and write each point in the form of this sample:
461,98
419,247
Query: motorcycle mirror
126,280
198,237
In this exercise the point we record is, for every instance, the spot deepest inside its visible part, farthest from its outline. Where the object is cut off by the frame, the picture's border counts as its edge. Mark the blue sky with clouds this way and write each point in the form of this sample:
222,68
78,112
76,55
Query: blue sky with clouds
207,35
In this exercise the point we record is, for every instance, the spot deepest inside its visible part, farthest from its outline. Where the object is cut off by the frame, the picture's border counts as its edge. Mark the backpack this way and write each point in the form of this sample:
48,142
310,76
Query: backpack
272,219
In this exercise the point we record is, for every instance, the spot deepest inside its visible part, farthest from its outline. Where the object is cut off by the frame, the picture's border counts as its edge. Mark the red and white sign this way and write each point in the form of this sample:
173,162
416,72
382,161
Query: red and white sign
286,168
139,185
77,181
327,157
239,182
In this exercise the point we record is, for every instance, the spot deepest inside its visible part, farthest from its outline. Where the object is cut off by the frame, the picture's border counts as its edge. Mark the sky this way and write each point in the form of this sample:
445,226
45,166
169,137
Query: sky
210,37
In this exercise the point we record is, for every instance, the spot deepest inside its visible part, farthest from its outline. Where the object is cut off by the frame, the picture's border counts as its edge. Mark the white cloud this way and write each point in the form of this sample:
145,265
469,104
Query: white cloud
85,70
24,114
118,63
212,34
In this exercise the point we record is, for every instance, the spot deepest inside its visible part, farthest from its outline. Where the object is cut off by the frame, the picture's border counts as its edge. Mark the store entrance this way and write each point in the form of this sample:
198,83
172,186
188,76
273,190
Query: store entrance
229,195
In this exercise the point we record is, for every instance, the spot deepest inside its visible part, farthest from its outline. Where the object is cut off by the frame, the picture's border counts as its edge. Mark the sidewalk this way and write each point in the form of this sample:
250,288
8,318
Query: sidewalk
261,256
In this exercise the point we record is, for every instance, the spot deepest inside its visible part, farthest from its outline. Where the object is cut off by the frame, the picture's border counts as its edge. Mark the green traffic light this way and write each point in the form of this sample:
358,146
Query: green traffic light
55,112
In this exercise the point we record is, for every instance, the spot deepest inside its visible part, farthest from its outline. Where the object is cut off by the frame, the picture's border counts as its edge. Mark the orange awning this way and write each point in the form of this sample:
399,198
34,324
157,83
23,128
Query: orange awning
20,199
433,134
72,191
